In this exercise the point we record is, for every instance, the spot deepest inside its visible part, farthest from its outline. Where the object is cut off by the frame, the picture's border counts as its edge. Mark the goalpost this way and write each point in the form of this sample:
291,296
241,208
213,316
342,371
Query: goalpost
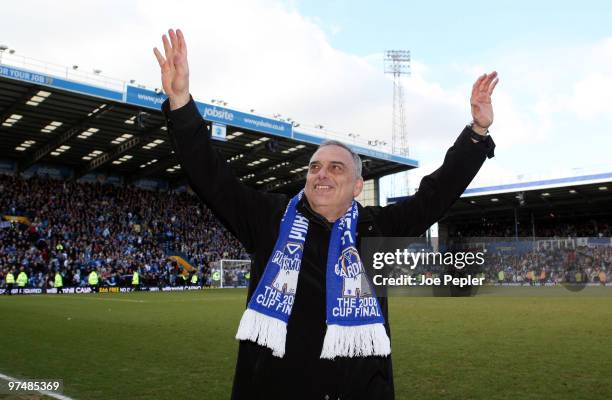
230,273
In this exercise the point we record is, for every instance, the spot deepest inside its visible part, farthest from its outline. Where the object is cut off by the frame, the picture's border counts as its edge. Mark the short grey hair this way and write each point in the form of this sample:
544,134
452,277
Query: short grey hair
354,156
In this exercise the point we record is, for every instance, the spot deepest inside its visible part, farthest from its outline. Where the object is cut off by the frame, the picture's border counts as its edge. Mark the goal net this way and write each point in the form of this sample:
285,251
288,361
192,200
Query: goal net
230,273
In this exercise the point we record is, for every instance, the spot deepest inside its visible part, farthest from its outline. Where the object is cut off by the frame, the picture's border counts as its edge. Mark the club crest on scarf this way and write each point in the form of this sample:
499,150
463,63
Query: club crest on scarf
289,268
350,269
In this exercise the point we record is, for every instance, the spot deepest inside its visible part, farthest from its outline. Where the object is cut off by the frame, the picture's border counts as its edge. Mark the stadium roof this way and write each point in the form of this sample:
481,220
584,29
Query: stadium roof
47,119
576,196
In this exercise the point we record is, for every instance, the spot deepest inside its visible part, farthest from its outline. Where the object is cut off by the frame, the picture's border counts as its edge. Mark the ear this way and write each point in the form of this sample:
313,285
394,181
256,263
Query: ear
358,187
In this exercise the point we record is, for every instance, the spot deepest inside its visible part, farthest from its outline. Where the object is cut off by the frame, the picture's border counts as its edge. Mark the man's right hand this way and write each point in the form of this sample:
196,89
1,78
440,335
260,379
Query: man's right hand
174,68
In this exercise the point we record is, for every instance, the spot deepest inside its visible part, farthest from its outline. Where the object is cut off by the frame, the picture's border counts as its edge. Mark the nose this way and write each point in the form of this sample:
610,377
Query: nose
322,174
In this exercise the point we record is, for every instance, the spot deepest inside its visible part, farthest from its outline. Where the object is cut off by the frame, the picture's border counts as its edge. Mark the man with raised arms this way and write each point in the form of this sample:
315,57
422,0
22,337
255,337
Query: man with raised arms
318,333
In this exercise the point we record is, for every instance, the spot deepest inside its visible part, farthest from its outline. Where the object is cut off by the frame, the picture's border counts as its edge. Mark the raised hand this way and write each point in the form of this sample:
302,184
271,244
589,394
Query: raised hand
174,68
480,102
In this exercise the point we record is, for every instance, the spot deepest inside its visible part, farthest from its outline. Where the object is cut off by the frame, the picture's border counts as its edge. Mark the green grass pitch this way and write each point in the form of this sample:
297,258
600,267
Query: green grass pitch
181,346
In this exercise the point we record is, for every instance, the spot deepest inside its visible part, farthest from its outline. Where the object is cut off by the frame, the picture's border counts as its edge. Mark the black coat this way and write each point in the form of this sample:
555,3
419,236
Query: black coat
254,217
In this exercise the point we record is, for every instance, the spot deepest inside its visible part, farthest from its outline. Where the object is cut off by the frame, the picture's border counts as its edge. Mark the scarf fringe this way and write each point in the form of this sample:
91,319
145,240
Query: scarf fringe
355,341
264,330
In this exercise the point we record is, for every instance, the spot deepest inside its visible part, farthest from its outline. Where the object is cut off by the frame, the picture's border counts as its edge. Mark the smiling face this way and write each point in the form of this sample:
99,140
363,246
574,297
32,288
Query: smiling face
332,182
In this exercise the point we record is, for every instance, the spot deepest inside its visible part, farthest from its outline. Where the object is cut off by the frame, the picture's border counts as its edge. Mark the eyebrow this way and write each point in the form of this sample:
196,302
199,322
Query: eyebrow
331,162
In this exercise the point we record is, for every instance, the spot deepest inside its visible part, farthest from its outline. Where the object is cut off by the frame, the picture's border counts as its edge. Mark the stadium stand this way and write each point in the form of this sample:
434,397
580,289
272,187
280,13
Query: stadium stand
75,227
574,206
569,219
541,232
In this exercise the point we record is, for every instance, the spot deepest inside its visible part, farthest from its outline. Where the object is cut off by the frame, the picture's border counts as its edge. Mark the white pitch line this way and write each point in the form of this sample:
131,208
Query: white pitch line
124,300
99,298
46,393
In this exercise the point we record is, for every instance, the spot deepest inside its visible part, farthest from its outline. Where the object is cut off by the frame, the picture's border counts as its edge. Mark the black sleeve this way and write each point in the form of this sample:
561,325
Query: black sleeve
437,191
240,208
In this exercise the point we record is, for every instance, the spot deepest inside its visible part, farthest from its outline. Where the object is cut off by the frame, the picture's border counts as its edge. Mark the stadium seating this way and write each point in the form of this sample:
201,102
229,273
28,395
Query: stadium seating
74,227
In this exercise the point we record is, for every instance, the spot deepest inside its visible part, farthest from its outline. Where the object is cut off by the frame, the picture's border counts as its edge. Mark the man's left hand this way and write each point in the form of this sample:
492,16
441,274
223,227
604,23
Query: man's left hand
480,102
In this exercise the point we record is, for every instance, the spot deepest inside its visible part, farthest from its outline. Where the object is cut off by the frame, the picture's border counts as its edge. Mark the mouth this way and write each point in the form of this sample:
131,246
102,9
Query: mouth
323,188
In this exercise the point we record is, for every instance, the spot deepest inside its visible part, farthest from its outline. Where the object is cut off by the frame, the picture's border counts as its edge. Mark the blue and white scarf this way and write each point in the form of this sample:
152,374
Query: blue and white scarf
355,324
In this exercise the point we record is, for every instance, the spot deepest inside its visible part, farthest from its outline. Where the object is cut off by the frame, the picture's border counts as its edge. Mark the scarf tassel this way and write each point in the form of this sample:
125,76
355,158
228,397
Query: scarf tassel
264,330
355,341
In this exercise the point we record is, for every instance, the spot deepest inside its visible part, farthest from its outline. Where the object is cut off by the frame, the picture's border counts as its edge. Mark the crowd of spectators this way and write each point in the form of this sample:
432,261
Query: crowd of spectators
552,265
541,262
75,227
